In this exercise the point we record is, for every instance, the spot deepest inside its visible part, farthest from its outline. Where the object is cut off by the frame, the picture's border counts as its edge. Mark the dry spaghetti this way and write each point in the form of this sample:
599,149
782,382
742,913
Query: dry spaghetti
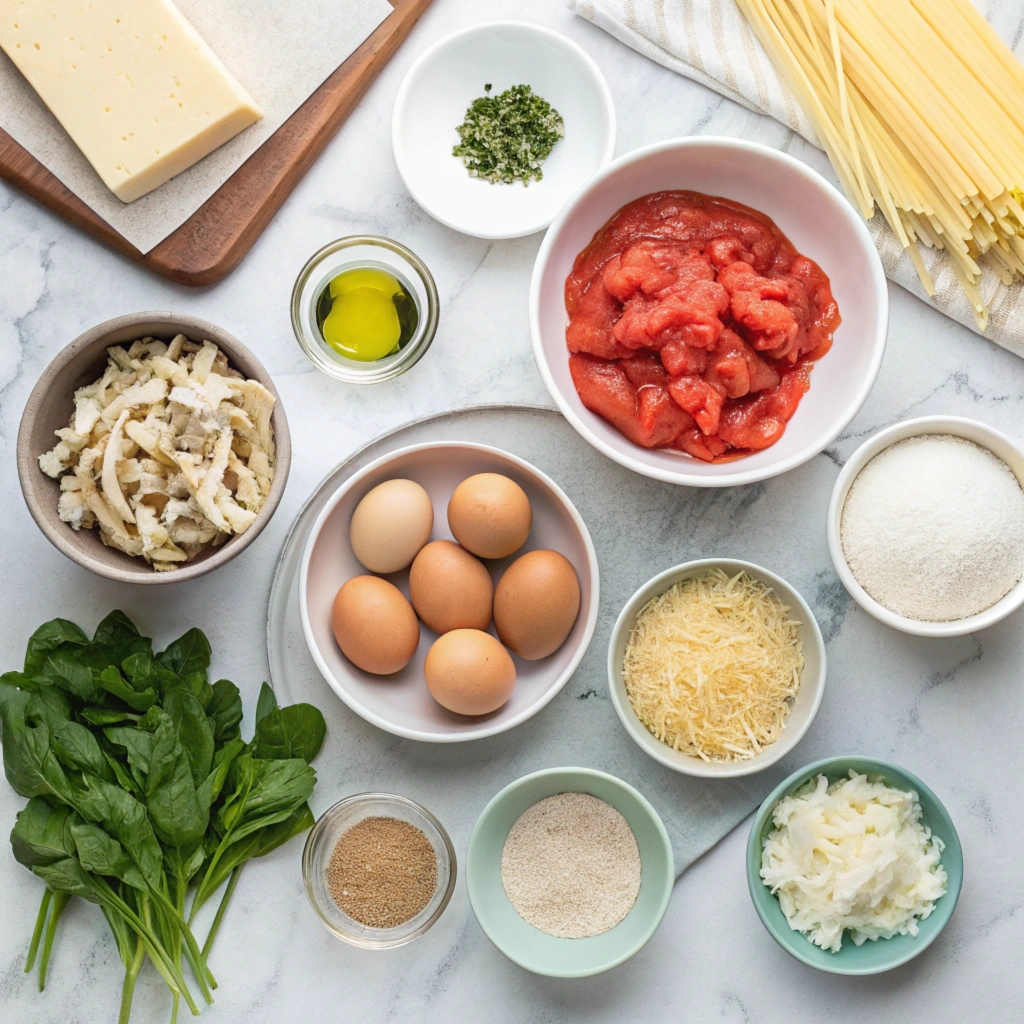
918,105
712,666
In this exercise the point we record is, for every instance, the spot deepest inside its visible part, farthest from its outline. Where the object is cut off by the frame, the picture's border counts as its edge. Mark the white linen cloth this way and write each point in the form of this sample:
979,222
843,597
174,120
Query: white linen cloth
711,42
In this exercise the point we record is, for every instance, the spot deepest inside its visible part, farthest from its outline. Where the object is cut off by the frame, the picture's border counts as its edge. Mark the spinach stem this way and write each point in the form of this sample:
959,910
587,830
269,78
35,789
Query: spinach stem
215,927
60,901
131,975
37,932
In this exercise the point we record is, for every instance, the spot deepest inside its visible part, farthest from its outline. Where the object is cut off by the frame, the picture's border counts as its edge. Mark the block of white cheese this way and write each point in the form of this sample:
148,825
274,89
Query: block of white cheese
131,81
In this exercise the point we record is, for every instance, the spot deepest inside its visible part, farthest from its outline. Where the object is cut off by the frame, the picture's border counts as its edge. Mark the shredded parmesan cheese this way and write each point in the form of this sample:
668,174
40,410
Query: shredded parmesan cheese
712,666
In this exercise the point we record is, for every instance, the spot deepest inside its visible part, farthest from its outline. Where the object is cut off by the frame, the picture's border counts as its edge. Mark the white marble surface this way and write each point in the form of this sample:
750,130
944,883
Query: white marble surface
950,711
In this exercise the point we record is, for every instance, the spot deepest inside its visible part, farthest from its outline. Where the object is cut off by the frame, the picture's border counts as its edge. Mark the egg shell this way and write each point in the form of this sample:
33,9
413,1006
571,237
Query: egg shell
469,672
374,625
490,515
390,525
536,603
450,589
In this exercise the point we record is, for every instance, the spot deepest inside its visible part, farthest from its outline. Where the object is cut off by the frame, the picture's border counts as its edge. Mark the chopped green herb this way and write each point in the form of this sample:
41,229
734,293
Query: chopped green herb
507,137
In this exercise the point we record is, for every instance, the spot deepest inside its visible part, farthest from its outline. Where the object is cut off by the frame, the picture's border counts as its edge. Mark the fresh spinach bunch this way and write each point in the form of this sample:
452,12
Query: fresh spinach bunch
142,790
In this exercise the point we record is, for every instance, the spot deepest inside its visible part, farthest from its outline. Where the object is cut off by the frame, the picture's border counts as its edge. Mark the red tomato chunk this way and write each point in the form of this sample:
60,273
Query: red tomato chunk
694,323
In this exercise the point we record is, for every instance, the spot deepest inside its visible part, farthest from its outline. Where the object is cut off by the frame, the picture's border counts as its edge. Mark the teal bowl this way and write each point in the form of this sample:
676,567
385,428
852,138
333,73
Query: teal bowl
882,954
528,946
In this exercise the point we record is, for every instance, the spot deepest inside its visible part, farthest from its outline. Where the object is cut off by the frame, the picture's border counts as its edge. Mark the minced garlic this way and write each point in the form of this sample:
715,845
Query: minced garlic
712,666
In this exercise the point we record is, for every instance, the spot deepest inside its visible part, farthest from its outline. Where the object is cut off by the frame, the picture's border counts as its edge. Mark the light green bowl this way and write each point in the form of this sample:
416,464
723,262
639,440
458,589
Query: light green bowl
528,946
882,954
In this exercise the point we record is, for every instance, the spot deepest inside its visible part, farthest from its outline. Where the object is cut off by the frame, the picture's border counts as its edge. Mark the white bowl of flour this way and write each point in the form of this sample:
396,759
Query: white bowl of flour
926,526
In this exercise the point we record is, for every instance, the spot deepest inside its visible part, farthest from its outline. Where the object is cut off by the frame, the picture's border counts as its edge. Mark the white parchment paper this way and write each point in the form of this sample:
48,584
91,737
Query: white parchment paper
280,50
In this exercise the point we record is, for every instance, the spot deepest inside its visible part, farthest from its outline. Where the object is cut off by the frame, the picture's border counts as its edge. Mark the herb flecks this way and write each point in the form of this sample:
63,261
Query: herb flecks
506,138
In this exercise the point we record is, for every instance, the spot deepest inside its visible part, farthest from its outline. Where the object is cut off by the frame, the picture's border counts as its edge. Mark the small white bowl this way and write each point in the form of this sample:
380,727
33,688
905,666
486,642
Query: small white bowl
817,220
400,703
997,443
805,706
432,102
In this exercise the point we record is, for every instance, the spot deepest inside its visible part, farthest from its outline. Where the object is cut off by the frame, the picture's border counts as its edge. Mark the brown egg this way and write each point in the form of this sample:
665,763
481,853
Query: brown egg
469,672
536,603
375,625
490,515
450,589
390,524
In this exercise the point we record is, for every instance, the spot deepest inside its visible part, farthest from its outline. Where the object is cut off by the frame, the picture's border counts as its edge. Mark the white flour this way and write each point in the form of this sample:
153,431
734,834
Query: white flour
570,866
933,528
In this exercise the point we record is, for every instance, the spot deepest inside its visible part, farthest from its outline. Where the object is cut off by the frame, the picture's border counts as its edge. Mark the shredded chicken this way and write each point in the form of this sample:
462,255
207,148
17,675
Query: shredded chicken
169,452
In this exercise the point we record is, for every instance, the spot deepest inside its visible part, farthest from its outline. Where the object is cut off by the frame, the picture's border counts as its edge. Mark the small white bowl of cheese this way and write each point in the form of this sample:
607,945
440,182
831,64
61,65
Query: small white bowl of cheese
802,707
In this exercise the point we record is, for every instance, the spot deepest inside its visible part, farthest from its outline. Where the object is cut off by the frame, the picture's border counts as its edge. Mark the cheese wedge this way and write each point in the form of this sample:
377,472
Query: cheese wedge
133,84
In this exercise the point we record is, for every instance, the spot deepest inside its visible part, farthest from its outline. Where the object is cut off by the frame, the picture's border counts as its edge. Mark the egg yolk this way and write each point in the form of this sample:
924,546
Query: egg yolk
363,321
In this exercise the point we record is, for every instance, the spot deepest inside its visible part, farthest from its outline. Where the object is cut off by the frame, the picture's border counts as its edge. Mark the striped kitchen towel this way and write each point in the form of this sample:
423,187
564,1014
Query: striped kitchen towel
711,42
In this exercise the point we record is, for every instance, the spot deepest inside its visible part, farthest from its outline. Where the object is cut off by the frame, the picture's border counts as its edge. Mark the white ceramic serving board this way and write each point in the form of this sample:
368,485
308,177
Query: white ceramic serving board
639,527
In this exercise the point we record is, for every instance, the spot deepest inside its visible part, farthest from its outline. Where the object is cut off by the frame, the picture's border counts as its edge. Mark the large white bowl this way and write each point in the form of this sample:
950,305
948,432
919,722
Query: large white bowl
432,102
400,703
985,436
818,221
805,705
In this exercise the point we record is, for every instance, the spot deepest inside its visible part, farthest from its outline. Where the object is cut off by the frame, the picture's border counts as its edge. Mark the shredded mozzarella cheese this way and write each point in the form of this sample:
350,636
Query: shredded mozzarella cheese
712,666
853,856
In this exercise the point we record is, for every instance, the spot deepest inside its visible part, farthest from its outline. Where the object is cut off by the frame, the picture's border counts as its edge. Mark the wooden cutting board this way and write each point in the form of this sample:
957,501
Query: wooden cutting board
212,242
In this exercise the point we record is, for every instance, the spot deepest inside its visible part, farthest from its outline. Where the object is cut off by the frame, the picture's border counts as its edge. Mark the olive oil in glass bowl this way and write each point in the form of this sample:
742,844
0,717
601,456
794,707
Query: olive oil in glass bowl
364,309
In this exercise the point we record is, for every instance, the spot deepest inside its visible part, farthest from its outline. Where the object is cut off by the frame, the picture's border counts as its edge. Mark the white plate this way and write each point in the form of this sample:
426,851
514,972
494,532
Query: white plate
401,703
818,221
808,697
444,81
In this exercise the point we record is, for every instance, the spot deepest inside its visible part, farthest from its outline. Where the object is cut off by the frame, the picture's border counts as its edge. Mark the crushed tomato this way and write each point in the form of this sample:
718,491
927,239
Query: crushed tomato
694,324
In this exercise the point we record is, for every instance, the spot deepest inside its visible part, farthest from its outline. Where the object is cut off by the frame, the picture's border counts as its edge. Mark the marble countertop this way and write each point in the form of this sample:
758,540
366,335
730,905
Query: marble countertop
949,710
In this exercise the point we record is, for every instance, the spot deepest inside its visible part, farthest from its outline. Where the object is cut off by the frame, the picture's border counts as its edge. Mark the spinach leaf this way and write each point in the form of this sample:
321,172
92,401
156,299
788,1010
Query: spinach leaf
106,716
41,833
64,670
189,655
31,766
49,705
101,854
294,731
78,749
118,633
111,680
265,703
225,711
125,818
46,639
194,730
211,787
179,817
138,744
68,876
265,793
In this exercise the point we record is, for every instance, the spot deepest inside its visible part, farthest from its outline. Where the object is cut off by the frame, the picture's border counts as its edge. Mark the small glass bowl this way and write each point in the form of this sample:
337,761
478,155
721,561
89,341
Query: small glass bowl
347,254
320,844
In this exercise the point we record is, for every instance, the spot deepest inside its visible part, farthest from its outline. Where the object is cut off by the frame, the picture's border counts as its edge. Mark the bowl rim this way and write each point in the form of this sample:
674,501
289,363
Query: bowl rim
321,824
403,161
28,466
649,743
874,445
737,477
799,778
492,728
473,856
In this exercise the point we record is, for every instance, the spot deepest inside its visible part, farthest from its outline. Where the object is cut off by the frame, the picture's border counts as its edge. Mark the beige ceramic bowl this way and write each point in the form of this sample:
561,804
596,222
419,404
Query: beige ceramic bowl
51,404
